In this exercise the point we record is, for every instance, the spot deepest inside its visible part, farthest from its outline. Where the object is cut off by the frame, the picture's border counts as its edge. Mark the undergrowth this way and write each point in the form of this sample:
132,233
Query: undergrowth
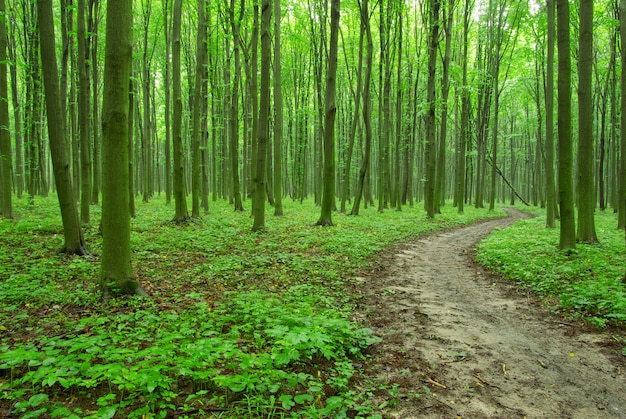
586,282
239,324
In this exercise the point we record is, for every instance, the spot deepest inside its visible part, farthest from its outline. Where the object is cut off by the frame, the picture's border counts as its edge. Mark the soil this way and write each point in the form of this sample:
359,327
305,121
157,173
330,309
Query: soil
458,341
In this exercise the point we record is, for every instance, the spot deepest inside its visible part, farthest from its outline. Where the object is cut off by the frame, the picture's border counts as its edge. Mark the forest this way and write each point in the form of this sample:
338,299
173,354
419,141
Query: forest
191,192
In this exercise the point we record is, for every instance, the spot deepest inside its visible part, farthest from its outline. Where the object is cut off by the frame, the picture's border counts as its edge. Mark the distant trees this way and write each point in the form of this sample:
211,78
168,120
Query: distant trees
463,107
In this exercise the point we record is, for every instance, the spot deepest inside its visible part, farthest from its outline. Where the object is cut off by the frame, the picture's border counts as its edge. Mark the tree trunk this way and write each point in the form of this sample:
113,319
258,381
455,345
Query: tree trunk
367,113
551,205
278,119
431,145
198,100
233,134
182,214
6,204
116,272
17,114
621,224
440,193
258,197
586,180
328,198
567,233
83,115
74,242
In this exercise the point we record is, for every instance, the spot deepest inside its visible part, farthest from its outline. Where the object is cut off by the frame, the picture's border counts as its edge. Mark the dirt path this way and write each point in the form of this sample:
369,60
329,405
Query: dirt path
458,344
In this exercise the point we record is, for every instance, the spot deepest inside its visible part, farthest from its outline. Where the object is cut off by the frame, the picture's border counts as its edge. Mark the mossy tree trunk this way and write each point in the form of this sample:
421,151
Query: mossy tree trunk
6,204
567,232
116,272
330,112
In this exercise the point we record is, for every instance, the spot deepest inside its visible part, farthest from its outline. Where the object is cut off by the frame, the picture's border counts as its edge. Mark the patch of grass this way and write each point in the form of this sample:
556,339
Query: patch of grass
586,282
240,324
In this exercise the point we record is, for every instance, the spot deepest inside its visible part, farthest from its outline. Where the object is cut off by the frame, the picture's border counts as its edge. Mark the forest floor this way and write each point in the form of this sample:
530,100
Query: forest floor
458,341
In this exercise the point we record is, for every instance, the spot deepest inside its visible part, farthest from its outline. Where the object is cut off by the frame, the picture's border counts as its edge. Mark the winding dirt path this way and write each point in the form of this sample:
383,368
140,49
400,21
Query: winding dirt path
456,343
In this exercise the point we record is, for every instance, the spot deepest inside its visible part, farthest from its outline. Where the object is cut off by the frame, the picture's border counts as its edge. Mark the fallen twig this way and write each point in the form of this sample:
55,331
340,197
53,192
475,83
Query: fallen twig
433,382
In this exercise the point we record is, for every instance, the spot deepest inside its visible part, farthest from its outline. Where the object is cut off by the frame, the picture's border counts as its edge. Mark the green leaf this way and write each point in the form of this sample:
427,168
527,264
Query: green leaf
287,401
37,399
303,398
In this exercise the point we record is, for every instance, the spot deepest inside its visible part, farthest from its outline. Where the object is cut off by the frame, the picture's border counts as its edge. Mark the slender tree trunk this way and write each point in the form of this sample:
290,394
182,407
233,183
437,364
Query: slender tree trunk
355,123
567,238
167,115
431,144
440,193
131,161
551,204
465,110
621,224
586,180
6,203
278,112
258,197
367,113
74,242
180,198
234,106
399,117
83,115
328,198
17,113
94,17
197,111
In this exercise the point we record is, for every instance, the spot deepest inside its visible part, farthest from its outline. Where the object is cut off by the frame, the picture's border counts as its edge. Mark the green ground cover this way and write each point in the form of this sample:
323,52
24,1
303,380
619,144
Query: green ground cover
587,282
239,324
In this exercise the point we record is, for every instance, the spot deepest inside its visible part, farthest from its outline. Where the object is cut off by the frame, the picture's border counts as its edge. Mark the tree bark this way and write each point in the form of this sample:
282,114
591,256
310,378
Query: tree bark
586,179
330,112
551,204
182,214
83,115
567,231
116,272
197,112
6,203
278,113
258,197
74,241
431,145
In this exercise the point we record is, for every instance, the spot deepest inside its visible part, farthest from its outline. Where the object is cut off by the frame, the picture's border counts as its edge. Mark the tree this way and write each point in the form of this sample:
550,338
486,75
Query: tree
258,188
551,205
586,180
83,115
621,224
431,145
74,241
233,132
181,215
278,116
198,99
6,205
367,113
330,111
116,272
567,231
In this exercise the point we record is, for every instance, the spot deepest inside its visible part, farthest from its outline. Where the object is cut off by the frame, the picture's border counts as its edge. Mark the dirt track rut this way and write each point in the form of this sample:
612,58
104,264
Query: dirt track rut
459,343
